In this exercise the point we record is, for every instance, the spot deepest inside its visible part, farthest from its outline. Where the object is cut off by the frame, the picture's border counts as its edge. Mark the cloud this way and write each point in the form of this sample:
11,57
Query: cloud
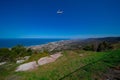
59,12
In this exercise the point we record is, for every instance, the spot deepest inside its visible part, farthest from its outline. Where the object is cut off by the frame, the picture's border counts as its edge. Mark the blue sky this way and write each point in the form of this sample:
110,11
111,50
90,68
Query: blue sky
39,18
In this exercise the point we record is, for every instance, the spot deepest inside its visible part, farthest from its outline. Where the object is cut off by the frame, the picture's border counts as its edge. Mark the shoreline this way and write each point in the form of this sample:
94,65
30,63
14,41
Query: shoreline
27,42
55,45
45,43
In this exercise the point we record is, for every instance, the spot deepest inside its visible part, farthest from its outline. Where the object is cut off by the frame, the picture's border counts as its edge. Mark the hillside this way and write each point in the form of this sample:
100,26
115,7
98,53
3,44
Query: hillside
74,64
74,44
78,65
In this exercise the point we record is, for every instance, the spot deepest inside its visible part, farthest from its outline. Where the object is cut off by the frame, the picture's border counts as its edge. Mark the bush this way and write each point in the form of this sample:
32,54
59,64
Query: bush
88,48
4,54
103,46
14,53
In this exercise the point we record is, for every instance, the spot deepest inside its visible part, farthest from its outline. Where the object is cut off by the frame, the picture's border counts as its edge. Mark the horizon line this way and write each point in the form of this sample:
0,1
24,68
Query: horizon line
60,37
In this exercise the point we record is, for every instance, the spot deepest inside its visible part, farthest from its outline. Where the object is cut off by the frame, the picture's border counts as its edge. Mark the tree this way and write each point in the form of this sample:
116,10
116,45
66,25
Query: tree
19,50
4,54
29,51
103,46
88,48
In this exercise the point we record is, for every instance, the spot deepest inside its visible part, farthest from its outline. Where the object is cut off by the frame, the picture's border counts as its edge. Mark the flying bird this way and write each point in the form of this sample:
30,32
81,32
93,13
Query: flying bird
59,12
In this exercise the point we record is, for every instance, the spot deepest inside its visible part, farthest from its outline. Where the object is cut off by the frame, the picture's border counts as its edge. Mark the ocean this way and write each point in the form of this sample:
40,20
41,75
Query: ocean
8,43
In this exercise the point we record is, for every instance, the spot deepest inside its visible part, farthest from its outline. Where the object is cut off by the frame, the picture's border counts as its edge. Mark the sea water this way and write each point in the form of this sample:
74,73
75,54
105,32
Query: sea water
8,43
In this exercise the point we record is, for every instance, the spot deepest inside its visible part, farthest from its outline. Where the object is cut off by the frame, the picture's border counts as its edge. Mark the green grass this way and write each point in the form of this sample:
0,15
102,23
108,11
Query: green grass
6,70
69,62
36,57
96,70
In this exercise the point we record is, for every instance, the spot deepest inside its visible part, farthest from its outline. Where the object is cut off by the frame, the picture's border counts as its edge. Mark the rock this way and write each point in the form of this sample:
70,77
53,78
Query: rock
2,63
81,55
27,66
26,57
19,61
22,60
45,60
41,61
57,55
50,59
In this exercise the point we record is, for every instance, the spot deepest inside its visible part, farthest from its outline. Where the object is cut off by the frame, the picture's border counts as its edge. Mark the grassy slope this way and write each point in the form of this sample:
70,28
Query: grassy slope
97,70
69,62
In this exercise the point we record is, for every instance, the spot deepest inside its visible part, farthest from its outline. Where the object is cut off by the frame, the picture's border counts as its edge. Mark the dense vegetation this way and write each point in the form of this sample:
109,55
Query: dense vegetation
102,46
20,51
14,53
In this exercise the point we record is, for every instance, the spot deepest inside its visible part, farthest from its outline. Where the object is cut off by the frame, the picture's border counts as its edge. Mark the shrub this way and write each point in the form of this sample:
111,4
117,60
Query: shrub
4,54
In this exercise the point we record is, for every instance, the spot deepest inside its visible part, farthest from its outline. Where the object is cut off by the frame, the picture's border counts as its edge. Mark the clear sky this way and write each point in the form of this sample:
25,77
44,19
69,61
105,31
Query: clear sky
39,18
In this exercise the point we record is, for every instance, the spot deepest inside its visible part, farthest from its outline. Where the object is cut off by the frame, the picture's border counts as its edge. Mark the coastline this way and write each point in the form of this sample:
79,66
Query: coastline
9,43
56,45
